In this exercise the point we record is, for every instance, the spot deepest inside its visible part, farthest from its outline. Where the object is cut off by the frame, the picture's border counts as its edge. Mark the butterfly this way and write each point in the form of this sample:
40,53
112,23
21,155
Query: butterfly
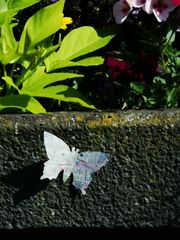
80,164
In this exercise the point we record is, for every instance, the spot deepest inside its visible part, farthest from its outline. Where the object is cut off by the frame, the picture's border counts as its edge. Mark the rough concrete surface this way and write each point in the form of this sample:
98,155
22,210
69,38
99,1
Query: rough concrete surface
138,188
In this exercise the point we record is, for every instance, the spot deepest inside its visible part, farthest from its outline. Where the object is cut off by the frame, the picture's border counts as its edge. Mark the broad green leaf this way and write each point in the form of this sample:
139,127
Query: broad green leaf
57,64
10,57
45,52
62,93
21,4
41,25
39,79
10,82
36,84
26,74
8,44
23,102
13,6
79,42
7,35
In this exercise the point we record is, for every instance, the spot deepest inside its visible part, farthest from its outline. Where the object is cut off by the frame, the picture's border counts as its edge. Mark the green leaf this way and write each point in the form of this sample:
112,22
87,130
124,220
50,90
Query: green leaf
37,86
170,37
23,102
9,57
79,42
21,4
138,87
13,6
10,82
159,80
171,95
149,100
57,64
44,53
8,44
63,93
7,34
39,79
49,50
41,25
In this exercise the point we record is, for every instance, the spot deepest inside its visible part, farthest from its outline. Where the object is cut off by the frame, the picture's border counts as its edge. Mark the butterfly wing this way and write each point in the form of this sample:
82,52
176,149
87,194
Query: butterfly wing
59,155
85,165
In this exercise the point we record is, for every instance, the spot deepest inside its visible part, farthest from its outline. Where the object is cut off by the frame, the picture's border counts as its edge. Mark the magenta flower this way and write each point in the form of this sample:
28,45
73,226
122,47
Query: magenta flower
143,70
176,2
116,66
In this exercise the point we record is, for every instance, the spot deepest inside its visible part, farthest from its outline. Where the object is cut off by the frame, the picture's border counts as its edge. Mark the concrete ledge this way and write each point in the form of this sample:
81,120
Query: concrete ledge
138,188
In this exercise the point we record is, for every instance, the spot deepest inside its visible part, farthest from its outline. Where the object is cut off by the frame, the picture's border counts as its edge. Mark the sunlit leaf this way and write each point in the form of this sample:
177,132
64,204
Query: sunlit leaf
13,6
23,102
10,82
79,42
61,92
41,25
57,64
39,79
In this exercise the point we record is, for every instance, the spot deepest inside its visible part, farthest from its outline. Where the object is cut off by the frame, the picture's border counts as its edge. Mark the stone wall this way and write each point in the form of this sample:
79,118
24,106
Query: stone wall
138,188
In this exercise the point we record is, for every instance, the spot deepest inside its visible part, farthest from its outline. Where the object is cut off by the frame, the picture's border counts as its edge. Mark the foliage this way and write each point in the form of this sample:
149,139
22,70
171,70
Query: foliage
154,56
142,65
132,65
36,64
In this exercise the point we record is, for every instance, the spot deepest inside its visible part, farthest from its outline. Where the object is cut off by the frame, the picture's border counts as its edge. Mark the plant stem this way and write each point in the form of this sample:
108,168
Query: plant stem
4,71
5,74
12,70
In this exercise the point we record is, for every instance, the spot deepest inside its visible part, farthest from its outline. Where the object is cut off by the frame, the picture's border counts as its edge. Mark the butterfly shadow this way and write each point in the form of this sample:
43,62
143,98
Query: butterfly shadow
27,180
74,193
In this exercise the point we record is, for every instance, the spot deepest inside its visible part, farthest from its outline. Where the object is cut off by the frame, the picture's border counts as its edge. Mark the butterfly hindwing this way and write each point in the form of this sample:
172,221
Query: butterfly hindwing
85,165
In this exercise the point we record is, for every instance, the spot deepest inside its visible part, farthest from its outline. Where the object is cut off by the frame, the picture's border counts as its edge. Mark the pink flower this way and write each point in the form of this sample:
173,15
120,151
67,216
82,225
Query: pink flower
121,9
160,8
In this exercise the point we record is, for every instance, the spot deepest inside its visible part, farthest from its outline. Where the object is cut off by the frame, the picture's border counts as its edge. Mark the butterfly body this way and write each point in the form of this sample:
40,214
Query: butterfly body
81,165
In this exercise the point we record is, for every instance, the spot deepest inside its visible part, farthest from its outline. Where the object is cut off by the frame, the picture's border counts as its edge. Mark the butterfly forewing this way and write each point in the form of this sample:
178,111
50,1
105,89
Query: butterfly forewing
59,155
54,144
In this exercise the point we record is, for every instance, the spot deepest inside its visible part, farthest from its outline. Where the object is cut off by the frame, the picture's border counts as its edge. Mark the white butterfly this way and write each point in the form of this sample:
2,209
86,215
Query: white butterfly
82,165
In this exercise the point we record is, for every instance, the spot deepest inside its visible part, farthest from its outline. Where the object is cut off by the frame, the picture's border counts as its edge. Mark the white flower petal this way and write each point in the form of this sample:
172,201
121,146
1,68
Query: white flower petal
160,9
148,6
121,9
139,3
162,16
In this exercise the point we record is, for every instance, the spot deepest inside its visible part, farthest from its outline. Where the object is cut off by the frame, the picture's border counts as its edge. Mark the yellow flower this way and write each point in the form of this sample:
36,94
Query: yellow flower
66,20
